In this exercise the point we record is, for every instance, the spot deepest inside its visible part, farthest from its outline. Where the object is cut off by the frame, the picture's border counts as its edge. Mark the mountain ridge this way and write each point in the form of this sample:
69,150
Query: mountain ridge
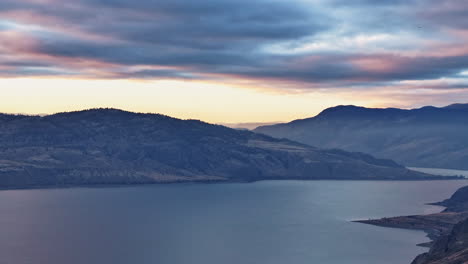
432,137
111,146
342,108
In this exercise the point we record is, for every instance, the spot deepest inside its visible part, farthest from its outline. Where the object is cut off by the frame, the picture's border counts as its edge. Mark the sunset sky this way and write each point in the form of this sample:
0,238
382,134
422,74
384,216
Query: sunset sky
229,61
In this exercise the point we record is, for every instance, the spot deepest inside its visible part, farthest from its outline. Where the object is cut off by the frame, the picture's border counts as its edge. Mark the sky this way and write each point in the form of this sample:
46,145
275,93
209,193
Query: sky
228,61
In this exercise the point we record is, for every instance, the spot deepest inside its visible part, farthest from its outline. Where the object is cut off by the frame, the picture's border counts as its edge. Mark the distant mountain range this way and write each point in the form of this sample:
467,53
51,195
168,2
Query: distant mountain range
248,126
426,137
109,146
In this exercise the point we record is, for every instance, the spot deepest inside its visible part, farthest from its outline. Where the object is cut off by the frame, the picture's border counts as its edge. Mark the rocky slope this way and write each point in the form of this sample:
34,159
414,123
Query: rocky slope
448,249
428,137
109,146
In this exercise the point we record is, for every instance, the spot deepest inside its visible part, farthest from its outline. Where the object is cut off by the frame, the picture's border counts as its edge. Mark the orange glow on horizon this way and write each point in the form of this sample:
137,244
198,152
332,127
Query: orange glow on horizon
211,102
234,102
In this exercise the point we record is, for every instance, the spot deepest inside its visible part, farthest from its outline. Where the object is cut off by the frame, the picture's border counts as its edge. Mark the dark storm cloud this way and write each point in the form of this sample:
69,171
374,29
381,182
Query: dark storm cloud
344,68
230,38
425,13
360,3
129,54
451,13
150,74
177,33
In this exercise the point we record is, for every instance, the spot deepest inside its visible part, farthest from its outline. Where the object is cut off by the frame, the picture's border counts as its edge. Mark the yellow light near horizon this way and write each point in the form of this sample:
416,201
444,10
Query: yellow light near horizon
211,102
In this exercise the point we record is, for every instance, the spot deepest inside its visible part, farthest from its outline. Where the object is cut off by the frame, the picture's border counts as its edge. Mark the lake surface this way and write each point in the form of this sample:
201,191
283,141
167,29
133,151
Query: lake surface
271,222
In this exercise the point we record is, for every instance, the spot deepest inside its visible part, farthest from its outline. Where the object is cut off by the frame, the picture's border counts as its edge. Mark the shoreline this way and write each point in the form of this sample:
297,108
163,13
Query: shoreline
434,225
443,228
217,181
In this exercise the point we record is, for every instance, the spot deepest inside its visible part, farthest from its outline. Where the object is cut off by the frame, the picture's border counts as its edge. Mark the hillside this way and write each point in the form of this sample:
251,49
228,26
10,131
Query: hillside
428,137
109,146
449,249
458,202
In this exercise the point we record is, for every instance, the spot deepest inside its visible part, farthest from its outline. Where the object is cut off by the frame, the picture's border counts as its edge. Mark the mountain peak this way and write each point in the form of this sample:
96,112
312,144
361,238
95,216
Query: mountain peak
351,111
339,108
109,111
104,114
457,106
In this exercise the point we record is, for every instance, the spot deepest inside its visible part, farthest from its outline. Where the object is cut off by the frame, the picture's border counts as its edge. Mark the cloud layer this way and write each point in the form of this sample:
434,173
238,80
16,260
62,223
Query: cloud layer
311,43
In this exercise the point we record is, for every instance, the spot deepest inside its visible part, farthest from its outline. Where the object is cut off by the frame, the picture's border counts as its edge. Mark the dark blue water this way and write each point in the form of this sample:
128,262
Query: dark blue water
284,222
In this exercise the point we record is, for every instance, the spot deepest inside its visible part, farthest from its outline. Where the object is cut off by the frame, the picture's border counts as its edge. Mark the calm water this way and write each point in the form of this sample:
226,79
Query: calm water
284,222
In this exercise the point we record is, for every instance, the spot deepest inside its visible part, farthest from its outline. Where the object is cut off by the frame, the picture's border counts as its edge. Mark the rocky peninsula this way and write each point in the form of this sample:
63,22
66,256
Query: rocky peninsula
448,230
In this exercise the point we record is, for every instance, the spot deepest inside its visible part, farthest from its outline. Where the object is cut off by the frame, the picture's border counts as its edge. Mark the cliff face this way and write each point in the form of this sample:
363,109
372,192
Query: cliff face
428,137
109,146
449,249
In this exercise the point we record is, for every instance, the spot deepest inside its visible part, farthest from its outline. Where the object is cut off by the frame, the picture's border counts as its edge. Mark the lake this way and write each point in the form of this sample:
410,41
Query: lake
271,222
